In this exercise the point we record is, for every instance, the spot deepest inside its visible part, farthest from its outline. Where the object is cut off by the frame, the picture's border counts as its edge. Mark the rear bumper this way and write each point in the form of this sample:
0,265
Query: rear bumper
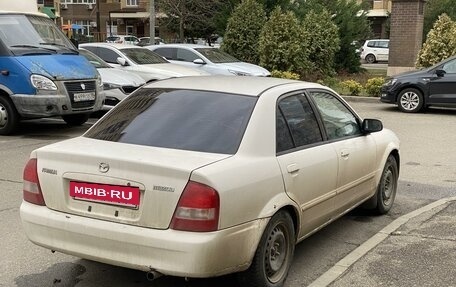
171,252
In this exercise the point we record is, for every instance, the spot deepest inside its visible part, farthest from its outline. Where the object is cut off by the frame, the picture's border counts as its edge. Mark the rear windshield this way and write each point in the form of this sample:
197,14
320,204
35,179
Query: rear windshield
178,119
143,56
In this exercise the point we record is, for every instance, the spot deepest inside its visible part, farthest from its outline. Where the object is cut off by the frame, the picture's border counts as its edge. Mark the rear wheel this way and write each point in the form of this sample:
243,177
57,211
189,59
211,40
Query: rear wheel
274,254
370,59
386,190
9,117
76,120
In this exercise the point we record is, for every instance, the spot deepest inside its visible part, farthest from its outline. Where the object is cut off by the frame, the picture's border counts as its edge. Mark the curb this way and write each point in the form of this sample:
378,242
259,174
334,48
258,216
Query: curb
342,266
361,99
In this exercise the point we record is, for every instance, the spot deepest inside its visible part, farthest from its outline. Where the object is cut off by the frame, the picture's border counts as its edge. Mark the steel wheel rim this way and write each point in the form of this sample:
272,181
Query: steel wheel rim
3,116
388,186
410,101
277,253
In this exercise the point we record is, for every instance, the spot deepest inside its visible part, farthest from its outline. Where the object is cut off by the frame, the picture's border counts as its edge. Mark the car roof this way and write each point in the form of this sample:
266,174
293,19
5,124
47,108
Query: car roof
112,45
251,86
190,46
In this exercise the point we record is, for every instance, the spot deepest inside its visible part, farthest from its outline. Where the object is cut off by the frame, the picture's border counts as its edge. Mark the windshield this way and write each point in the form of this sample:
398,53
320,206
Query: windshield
143,56
216,56
29,34
96,61
178,119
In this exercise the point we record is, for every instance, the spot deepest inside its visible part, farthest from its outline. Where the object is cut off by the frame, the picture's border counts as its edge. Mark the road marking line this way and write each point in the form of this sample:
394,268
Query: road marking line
342,266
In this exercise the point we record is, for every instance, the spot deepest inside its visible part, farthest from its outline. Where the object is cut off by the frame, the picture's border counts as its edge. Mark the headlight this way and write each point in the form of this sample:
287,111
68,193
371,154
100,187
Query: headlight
239,73
42,83
99,82
390,82
109,86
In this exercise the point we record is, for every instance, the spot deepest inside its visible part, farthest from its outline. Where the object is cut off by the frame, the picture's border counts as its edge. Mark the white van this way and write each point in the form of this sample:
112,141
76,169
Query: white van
375,50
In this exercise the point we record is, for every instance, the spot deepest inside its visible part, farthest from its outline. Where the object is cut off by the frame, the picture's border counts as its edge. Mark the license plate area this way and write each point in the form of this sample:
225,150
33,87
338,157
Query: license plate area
127,196
82,97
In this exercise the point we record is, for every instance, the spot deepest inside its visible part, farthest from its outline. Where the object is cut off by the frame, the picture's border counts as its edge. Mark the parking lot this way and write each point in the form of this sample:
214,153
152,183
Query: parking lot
428,172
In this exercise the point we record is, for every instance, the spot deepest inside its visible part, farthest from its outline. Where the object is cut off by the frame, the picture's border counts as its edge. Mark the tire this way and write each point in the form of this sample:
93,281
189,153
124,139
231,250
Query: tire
387,187
274,254
370,59
76,120
410,101
9,117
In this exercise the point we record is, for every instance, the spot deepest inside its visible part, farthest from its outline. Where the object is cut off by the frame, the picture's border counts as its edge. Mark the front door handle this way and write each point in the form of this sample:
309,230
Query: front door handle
344,154
292,168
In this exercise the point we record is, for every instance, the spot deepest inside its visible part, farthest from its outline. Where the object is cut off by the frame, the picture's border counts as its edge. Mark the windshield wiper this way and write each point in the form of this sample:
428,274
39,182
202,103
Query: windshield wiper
34,47
61,46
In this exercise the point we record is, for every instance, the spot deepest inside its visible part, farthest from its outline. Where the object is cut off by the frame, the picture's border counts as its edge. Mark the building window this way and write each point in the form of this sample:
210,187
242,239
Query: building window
78,1
132,2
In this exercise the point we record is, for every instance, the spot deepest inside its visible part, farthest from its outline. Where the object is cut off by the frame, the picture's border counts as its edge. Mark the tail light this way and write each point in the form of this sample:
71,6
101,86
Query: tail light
198,209
32,189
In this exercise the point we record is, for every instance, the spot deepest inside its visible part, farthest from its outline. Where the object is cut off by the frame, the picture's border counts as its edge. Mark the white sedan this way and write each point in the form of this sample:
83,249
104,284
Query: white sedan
209,59
204,176
141,61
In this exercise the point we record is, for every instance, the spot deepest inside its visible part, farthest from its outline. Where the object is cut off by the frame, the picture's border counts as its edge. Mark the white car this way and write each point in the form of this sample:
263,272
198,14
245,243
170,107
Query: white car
147,64
204,176
208,59
123,39
375,50
117,84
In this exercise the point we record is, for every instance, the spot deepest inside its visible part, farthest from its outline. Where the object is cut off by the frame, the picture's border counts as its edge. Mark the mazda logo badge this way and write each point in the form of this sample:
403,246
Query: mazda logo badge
83,86
103,167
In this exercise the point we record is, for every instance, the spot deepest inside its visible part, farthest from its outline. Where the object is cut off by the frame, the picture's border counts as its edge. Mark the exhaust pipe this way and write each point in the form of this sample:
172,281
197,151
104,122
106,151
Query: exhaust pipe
151,275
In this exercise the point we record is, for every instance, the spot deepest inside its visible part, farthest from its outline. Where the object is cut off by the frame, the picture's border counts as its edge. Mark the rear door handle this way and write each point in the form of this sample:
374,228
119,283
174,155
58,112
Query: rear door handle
344,154
292,168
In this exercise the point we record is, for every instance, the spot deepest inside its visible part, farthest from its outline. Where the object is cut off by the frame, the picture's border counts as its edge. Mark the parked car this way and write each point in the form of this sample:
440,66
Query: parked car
117,84
123,39
375,50
147,64
186,170
145,41
416,90
208,59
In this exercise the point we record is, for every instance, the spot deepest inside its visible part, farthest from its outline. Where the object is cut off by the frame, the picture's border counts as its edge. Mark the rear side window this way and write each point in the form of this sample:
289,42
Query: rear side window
178,119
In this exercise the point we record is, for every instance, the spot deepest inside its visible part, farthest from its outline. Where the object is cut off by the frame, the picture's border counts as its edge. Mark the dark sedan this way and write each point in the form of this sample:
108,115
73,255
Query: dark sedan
414,91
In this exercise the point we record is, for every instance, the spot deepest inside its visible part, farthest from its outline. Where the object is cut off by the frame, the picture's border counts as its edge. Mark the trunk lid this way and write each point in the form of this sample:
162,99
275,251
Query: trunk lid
160,174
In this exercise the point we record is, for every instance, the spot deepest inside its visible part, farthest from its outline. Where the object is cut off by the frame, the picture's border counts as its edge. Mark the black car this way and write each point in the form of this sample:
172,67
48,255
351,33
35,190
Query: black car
414,91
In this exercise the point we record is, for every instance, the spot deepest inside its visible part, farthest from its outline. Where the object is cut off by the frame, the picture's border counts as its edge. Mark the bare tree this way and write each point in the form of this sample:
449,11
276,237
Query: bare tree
187,15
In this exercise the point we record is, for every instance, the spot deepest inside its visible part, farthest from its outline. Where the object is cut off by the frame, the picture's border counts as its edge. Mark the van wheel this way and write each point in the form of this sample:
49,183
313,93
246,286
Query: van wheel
76,120
274,254
386,190
9,117
370,59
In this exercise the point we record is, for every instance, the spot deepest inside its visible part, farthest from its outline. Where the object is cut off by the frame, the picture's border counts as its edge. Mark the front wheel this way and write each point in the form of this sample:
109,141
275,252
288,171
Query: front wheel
76,120
410,101
386,190
9,117
274,254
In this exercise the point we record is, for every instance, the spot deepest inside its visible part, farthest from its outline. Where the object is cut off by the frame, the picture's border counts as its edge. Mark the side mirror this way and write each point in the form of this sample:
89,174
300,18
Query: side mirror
440,73
121,61
199,62
371,126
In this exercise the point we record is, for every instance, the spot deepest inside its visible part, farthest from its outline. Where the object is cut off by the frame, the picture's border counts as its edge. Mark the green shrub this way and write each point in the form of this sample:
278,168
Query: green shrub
440,43
283,44
373,86
243,31
353,87
284,75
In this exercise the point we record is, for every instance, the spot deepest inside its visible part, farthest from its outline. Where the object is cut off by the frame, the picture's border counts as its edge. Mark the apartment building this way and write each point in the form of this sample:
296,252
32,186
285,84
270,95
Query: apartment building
378,12
78,18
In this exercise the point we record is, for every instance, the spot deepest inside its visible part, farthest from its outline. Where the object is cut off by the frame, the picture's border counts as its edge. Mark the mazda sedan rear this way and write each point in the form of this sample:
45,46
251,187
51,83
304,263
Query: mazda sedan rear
186,170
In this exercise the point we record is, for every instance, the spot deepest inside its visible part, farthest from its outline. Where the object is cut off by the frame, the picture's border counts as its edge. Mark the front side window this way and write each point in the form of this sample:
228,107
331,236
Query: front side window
178,119
216,56
450,67
168,53
338,120
186,55
296,123
106,54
